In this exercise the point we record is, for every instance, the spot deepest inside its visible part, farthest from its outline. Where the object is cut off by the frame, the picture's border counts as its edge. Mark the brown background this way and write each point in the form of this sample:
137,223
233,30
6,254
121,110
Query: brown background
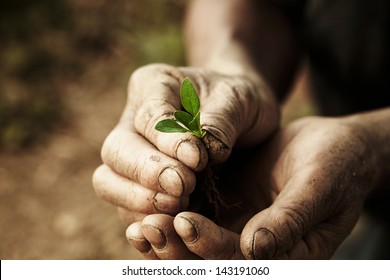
64,70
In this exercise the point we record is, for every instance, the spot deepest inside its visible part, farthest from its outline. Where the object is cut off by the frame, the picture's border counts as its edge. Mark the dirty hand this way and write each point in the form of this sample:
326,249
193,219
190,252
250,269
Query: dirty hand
308,183
146,171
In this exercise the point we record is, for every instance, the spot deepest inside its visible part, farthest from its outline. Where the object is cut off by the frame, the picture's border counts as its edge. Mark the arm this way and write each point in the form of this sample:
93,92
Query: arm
243,37
375,131
316,172
239,80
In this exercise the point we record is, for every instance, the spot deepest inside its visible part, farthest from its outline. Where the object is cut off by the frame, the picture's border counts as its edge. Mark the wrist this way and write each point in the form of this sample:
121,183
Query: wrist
373,130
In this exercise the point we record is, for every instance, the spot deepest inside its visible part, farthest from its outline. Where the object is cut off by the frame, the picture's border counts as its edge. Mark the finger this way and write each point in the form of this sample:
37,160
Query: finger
276,230
131,196
206,239
236,110
137,239
131,156
269,234
155,94
160,233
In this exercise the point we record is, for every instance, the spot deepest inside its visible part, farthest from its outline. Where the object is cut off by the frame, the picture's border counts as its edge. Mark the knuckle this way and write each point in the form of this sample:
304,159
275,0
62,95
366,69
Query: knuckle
101,183
111,151
238,102
143,75
296,220
147,70
98,178
143,169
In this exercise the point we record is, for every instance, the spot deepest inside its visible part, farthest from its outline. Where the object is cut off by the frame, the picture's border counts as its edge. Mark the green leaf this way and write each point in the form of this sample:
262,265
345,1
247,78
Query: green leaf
169,126
186,119
189,97
196,122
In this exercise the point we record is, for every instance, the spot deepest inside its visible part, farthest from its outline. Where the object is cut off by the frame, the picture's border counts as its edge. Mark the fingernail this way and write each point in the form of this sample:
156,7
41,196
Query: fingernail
137,239
155,236
171,182
264,244
142,245
166,204
188,231
218,150
189,154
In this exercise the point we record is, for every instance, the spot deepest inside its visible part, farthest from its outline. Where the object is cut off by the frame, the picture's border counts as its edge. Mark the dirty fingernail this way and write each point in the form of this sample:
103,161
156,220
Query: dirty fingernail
189,154
155,236
264,244
166,204
186,229
136,238
219,151
142,245
171,182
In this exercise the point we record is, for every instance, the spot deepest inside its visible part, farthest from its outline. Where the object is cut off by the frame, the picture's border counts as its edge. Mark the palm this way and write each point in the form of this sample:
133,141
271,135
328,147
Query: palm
299,165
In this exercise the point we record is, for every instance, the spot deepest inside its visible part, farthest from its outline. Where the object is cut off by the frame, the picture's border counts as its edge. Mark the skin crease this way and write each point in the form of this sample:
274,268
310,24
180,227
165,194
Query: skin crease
295,192
309,215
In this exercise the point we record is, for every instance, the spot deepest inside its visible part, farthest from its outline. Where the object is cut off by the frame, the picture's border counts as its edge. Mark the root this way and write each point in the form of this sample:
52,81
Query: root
208,180
207,186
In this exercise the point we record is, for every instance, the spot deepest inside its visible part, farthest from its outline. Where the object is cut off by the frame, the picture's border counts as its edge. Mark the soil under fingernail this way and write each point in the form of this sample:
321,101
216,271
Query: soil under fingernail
188,230
164,203
155,236
264,244
217,149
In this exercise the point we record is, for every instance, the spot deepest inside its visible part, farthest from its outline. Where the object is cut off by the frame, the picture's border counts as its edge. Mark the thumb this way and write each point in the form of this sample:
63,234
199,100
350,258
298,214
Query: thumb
272,232
300,206
307,220
236,111
283,236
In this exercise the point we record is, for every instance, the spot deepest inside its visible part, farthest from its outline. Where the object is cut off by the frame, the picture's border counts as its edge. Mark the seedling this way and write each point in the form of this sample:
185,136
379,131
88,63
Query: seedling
188,120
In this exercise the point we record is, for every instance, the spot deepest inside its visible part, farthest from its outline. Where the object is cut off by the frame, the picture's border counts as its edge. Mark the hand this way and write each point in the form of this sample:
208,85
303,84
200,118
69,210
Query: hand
307,185
146,171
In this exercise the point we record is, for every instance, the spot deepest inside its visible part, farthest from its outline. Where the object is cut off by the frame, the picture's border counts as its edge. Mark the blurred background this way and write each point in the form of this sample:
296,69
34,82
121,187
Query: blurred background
63,76
64,67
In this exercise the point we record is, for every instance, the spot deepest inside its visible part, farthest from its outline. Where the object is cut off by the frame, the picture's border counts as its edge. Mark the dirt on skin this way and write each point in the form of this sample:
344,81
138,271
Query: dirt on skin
48,209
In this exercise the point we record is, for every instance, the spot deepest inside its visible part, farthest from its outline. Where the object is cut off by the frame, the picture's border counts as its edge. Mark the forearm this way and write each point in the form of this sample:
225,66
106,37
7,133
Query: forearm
243,37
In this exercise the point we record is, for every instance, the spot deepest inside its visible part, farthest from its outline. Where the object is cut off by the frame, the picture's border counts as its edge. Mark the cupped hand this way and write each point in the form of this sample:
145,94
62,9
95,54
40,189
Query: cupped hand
146,171
301,195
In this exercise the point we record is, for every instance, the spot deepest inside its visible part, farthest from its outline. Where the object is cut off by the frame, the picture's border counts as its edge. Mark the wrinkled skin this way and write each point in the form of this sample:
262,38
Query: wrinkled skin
316,174
296,196
146,171
295,192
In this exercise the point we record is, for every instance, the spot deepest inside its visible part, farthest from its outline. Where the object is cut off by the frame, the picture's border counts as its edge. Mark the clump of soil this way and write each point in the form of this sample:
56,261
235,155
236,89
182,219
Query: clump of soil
208,182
